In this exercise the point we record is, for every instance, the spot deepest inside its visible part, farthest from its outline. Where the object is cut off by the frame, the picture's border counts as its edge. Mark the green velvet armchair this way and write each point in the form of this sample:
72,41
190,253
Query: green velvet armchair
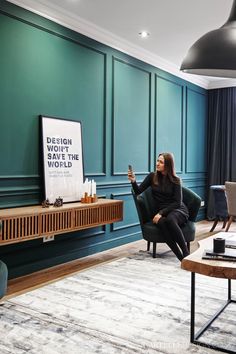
151,232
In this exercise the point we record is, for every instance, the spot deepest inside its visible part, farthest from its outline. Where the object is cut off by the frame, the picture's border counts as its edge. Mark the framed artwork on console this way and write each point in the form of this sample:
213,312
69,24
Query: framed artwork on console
62,153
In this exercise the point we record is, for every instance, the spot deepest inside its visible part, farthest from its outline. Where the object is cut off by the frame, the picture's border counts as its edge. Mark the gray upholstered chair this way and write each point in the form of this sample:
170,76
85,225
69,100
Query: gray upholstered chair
145,209
3,279
230,190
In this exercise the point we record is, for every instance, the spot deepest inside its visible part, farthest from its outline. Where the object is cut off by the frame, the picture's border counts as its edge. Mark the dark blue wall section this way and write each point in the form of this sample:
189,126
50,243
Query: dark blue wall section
130,111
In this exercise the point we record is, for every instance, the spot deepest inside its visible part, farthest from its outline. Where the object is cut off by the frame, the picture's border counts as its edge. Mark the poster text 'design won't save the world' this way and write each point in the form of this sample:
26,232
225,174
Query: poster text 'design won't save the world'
58,152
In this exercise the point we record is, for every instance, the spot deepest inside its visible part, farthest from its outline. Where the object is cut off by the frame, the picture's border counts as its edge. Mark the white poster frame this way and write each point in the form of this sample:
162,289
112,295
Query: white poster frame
62,152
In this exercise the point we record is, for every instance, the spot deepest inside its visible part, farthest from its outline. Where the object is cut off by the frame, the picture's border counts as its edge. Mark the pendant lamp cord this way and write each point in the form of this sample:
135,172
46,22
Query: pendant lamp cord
232,16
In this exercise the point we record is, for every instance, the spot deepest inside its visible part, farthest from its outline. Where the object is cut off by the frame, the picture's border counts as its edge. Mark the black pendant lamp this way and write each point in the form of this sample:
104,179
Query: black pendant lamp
214,54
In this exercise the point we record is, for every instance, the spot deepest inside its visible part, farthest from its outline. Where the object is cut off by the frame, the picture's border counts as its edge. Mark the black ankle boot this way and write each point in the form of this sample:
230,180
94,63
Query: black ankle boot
186,254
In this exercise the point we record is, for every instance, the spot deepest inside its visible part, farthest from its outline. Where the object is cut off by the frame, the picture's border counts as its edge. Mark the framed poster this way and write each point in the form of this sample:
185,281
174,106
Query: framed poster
62,158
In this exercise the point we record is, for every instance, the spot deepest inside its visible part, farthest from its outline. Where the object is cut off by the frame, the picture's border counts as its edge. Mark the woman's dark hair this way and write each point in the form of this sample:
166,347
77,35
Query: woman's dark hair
169,169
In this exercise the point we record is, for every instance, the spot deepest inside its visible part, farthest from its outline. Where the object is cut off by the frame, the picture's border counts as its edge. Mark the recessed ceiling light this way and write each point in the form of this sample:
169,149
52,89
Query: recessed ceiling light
144,34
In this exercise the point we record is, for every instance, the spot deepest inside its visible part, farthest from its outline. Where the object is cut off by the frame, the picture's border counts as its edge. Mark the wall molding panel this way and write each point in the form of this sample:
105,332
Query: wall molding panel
130,219
196,120
131,92
169,112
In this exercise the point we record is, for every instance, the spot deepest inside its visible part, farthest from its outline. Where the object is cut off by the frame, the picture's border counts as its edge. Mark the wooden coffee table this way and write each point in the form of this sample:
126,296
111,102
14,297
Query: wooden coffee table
212,268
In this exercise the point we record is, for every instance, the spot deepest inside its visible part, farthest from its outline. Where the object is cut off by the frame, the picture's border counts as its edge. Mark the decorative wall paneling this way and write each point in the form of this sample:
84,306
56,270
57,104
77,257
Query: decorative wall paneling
169,114
130,111
196,108
131,117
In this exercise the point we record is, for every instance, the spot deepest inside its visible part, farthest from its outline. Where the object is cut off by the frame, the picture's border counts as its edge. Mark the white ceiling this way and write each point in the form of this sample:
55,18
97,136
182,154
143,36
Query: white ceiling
173,25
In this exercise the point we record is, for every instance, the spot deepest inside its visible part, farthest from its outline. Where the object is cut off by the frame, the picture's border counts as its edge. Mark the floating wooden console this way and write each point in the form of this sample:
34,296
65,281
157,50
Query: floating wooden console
27,223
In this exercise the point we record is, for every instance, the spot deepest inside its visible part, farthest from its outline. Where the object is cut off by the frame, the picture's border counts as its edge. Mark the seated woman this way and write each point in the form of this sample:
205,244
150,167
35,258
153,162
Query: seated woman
170,212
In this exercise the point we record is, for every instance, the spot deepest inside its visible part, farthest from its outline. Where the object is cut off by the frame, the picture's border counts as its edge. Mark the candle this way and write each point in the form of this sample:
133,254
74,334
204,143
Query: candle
89,188
93,188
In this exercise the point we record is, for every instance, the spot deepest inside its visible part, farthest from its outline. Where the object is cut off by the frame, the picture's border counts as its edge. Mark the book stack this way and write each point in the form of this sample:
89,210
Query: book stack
228,255
230,244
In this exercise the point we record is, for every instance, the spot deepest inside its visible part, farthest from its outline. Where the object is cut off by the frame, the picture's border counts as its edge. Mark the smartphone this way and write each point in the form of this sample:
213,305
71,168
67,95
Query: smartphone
130,168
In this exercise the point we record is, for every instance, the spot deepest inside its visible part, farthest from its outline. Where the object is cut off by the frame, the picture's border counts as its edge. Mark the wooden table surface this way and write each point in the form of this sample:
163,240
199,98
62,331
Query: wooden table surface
213,268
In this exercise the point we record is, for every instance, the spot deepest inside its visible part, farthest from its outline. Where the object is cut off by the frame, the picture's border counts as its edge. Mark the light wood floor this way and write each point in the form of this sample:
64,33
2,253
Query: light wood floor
26,283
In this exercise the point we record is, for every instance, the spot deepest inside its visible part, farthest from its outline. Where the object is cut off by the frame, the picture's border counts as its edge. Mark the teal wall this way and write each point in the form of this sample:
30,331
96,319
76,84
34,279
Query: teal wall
129,111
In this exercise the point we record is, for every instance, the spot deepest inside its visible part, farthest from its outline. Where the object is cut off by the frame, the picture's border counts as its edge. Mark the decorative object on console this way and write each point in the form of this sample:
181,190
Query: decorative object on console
89,192
45,203
58,202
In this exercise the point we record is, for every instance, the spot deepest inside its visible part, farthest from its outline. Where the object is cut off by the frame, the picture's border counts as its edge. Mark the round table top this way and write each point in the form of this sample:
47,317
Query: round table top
213,268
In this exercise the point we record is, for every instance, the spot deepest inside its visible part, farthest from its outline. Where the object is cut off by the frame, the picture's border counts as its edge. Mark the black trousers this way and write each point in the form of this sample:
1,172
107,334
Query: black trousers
170,227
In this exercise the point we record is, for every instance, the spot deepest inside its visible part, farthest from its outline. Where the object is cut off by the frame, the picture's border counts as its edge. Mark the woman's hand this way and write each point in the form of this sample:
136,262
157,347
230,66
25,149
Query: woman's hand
156,218
131,176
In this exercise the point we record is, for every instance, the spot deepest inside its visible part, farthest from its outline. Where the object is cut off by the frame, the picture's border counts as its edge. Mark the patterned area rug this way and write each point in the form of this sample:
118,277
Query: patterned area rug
132,305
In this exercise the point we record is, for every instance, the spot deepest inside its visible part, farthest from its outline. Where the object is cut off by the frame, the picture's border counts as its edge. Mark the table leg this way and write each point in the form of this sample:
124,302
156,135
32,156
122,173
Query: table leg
229,289
192,325
194,338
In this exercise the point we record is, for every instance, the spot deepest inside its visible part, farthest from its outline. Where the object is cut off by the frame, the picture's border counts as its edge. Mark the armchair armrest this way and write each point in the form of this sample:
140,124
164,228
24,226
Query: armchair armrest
141,208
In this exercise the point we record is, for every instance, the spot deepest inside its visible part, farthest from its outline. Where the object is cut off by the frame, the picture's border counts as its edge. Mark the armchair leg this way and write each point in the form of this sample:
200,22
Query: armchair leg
154,249
214,225
148,245
229,223
224,223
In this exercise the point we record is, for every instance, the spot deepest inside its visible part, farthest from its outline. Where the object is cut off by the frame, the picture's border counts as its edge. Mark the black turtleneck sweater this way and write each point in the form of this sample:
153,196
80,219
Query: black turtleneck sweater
167,194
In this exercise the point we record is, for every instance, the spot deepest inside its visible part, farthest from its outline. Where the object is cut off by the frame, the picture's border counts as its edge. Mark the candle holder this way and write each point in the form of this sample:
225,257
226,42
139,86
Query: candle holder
89,199
89,192
94,198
